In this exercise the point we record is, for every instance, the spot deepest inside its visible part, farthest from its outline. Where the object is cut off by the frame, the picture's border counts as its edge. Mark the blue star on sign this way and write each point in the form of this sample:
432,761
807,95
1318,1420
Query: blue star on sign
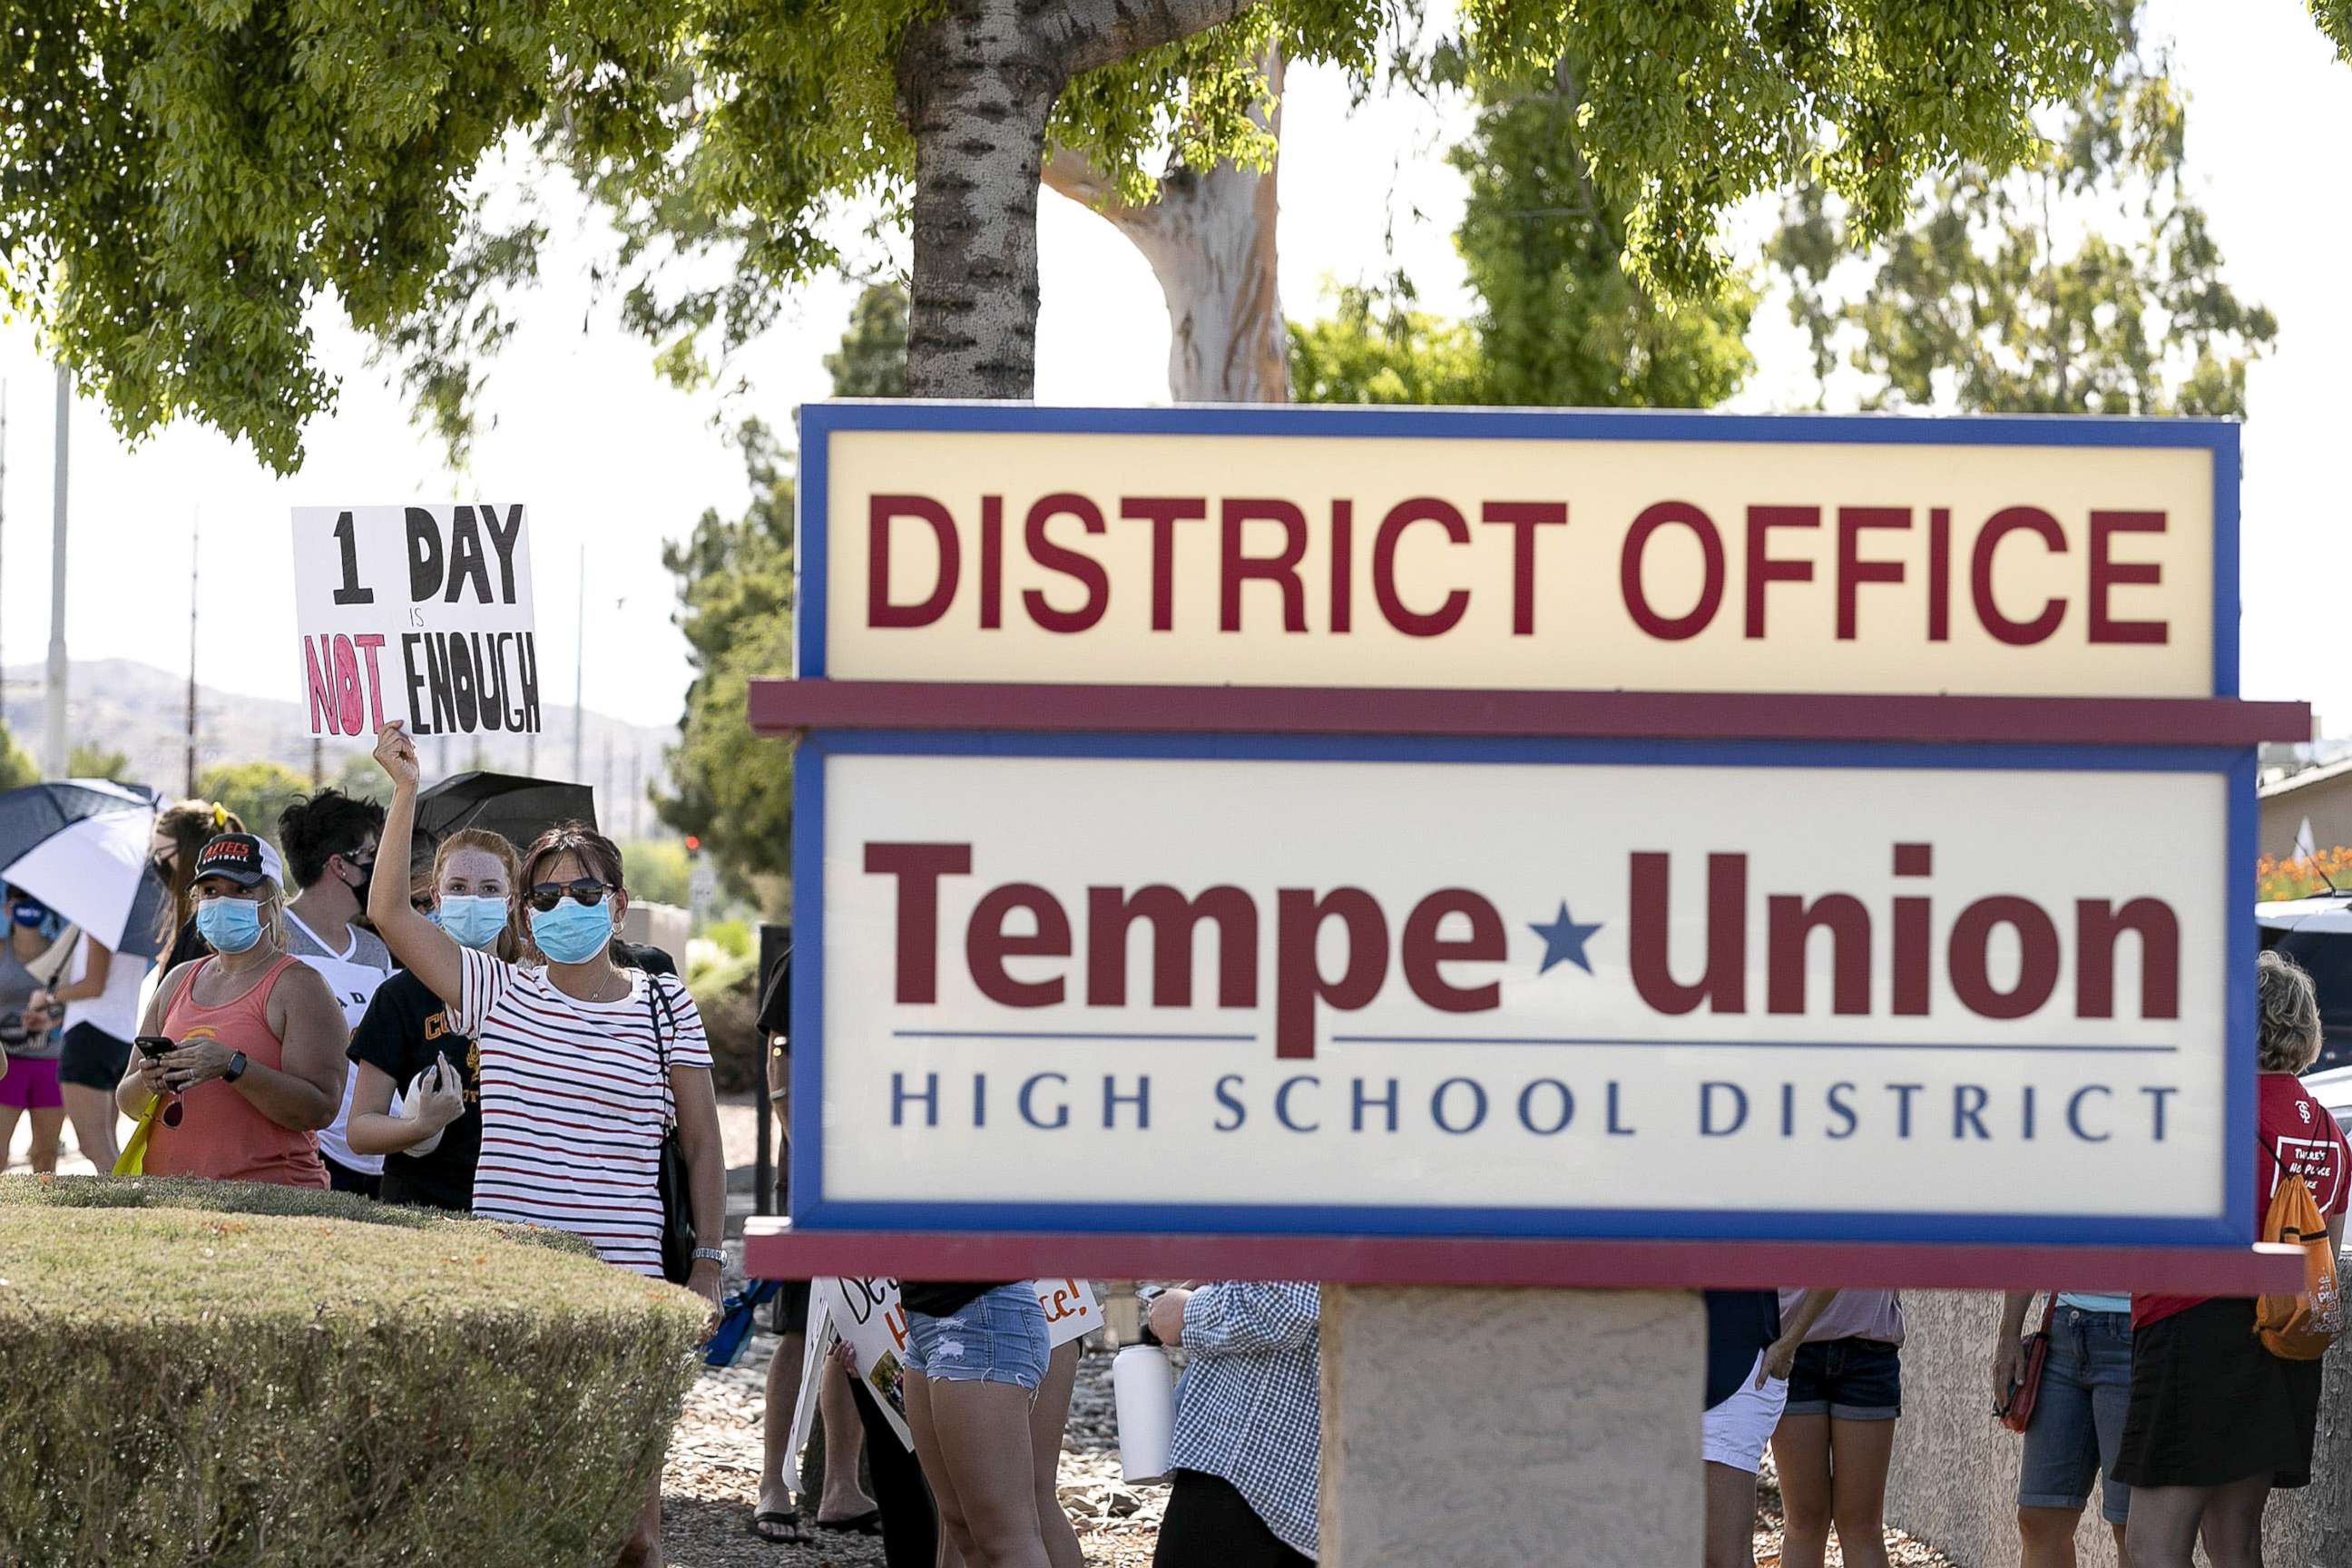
1564,942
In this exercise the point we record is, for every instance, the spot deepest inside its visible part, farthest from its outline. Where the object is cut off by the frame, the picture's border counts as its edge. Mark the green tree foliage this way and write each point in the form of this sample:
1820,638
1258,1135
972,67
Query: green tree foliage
361,779
730,788
1375,347
734,789
1561,322
89,759
180,183
16,764
657,869
872,359
256,791
2087,282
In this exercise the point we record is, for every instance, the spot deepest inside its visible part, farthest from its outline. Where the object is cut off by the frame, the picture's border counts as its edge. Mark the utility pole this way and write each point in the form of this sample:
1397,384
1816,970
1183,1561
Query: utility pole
579,669
196,556
53,746
637,793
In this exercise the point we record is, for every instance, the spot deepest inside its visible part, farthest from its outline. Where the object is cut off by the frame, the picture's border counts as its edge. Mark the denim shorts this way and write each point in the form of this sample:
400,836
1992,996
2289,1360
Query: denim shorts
2078,1415
1847,1380
999,1337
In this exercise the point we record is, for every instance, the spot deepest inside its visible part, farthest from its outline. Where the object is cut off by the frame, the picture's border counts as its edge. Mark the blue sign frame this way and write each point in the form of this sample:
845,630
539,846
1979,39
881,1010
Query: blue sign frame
812,1209
818,421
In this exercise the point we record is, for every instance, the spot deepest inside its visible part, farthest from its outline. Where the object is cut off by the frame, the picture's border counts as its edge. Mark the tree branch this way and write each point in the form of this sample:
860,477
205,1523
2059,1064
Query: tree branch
1086,35
1072,174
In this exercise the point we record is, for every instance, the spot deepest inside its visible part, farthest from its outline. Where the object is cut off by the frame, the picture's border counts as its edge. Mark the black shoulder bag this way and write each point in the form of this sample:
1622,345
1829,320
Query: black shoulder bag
679,1240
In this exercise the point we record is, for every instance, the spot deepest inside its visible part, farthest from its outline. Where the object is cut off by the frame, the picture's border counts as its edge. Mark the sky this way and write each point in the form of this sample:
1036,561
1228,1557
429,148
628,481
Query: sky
612,462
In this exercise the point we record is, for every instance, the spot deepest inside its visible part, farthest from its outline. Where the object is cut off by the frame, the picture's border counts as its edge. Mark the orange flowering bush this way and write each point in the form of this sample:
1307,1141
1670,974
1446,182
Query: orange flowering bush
2299,878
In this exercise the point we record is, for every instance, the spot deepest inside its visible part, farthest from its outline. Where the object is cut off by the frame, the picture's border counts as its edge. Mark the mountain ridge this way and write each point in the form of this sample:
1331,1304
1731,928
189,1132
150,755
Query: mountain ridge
140,709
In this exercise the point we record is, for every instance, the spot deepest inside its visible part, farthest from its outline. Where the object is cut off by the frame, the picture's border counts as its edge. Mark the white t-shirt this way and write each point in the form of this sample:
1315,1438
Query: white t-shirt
353,974
115,1009
574,1105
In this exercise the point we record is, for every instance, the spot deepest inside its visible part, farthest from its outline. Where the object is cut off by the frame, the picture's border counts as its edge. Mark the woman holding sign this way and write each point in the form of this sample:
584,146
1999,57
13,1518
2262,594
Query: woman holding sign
575,1102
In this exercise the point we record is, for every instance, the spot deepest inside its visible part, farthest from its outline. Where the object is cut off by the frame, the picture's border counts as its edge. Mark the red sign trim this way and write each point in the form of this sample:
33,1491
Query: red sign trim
773,1249
780,705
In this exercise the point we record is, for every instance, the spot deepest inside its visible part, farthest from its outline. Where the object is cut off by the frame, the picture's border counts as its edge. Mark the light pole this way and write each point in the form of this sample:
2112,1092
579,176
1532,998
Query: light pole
53,742
578,670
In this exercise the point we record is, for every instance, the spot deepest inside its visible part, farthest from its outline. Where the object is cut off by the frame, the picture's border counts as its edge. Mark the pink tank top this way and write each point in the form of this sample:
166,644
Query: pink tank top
221,1136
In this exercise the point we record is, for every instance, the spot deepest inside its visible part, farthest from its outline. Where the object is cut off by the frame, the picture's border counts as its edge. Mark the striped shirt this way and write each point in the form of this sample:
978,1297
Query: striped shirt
574,1105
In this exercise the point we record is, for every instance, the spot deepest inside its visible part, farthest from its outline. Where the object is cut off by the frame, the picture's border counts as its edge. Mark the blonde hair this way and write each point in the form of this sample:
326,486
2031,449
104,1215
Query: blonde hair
188,824
2287,1024
513,940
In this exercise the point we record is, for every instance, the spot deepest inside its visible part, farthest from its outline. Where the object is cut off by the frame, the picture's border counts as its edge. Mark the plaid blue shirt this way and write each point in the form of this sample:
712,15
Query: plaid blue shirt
1250,1408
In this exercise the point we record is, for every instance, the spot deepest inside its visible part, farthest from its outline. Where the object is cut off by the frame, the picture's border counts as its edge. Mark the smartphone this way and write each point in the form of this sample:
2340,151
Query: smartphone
152,1046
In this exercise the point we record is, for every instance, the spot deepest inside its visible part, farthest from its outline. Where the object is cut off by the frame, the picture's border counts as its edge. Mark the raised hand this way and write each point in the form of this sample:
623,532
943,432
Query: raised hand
395,754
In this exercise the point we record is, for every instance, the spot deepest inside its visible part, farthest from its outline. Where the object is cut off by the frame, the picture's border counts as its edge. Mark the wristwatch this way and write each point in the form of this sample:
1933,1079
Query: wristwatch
235,1069
708,1254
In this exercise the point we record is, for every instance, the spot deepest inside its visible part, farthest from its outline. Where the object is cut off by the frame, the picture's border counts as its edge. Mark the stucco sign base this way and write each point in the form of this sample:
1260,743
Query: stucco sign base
1511,1425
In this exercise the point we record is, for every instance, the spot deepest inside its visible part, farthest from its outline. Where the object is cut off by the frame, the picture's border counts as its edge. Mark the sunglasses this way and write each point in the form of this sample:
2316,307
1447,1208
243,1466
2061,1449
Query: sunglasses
587,890
175,1109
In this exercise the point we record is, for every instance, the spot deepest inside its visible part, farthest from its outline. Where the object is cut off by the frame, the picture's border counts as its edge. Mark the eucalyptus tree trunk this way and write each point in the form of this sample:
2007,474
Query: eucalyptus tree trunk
976,85
1209,238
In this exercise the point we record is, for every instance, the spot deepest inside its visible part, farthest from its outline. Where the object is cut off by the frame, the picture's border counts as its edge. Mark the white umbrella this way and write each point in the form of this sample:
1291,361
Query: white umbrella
93,871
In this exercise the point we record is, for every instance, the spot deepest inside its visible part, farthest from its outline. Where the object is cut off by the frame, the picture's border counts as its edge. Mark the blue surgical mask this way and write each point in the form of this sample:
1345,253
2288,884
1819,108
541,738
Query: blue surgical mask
572,932
25,912
473,921
230,925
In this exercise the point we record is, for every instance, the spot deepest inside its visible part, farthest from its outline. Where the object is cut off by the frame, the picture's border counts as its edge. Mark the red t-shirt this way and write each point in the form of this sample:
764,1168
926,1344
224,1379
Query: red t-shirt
2297,1137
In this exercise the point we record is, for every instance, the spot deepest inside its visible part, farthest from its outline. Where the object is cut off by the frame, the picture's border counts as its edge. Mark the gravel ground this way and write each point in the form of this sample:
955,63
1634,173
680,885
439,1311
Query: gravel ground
714,1474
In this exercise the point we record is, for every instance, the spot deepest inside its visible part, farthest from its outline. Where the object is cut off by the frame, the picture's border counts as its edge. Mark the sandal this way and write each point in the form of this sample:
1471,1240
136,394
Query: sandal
788,1517
866,1523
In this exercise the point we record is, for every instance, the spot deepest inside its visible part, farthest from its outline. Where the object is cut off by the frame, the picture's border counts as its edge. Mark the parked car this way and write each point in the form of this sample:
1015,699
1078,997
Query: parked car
2317,932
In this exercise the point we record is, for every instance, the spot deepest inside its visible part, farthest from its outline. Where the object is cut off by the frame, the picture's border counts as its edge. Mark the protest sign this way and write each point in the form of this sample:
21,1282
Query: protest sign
416,613
866,1313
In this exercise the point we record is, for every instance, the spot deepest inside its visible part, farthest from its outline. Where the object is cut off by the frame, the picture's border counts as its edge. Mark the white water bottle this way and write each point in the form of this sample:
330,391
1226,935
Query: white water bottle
1143,1390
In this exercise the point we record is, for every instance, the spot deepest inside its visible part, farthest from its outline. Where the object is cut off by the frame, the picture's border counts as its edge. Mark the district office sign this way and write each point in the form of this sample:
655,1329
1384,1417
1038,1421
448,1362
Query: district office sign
1450,548
1870,991
416,613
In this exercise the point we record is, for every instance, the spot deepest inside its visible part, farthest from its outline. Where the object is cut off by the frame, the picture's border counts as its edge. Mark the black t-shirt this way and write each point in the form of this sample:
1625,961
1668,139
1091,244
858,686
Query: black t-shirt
404,1030
1740,1325
945,1298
